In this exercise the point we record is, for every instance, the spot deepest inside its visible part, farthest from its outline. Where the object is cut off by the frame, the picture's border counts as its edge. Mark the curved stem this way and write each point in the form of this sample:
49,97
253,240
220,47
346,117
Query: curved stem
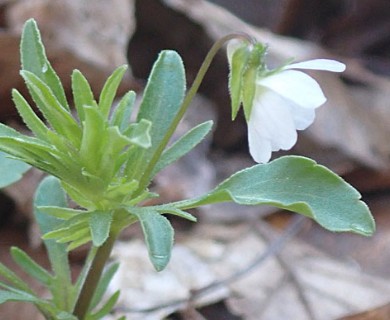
187,100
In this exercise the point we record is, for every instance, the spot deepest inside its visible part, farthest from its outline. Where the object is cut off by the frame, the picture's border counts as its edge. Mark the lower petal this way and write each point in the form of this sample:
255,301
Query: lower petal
271,126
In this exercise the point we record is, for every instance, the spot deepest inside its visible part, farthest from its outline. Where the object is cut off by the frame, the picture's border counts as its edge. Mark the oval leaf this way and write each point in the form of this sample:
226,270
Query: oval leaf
100,223
297,184
158,234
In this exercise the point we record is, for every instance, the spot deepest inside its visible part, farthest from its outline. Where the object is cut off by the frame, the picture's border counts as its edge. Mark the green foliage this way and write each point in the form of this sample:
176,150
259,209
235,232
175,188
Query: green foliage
297,184
182,146
104,162
10,170
158,236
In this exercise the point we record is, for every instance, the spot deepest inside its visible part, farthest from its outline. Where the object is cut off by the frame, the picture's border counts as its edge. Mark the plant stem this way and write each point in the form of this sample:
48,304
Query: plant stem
93,277
145,179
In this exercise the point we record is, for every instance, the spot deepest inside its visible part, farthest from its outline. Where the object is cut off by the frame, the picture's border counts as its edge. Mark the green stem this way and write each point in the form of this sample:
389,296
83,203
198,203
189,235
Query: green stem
93,277
187,101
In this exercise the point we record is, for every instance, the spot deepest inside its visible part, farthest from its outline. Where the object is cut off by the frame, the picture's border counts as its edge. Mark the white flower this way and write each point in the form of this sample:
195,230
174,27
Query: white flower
284,102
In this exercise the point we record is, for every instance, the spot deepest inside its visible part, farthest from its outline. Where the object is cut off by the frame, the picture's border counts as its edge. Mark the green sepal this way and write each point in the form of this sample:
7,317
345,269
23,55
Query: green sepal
158,234
255,66
297,184
182,146
237,67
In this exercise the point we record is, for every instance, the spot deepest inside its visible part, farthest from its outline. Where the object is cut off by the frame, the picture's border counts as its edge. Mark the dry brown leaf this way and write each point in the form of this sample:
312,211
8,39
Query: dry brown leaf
95,32
299,281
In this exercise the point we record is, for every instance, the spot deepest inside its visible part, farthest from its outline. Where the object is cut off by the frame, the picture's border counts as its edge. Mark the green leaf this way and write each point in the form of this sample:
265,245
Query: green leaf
29,117
237,68
13,279
158,234
59,118
166,208
22,296
139,133
109,90
94,127
122,113
162,98
61,213
30,266
34,60
106,308
82,93
11,170
50,193
100,223
297,184
184,145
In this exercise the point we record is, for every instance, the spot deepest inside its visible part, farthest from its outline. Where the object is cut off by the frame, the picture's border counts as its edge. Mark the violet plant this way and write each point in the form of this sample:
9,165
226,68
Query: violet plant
104,163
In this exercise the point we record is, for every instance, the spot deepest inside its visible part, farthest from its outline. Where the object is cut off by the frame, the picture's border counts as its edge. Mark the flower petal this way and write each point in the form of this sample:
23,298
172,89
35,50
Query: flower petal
318,64
303,117
295,86
271,126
